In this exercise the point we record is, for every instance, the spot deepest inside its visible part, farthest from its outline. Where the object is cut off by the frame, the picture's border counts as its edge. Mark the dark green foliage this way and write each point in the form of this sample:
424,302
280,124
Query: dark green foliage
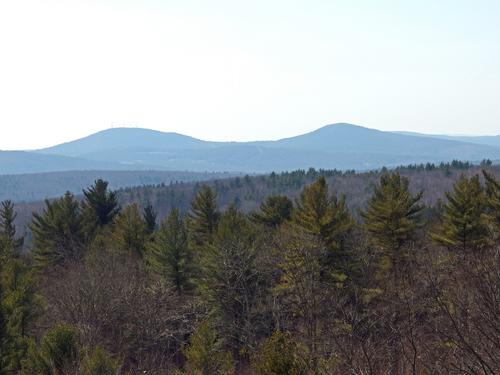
129,231
464,222
393,216
302,287
327,217
150,215
9,244
19,307
274,211
169,255
135,298
280,355
17,295
99,205
203,218
231,279
206,354
57,353
99,362
493,201
58,232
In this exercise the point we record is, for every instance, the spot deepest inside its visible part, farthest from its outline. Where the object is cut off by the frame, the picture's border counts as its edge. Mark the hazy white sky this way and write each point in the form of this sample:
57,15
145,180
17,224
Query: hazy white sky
244,70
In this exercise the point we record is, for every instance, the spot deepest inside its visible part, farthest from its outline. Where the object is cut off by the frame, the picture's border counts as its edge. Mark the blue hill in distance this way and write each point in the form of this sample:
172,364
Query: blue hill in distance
341,146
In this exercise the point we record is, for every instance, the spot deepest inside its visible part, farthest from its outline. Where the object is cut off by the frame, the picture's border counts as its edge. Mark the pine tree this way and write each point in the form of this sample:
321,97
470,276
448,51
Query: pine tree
19,305
129,231
493,201
274,211
3,337
279,355
464,221
17,296
230,279
302,286
206,354
393,216
58,232
169,255
150,216
9,244
57,354
203,218
99,206
326,217
99,362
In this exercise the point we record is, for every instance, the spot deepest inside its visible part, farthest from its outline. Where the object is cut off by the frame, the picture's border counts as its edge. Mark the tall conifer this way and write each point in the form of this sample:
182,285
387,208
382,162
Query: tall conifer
464,221
169,255
393,215
100,205
203,217
58,232
325,216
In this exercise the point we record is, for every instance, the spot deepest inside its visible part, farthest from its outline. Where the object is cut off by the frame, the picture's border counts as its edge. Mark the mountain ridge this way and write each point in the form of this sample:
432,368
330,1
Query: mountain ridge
340,146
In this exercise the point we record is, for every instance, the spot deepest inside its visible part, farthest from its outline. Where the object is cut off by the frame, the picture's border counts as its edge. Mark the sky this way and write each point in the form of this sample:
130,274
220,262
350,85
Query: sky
246,70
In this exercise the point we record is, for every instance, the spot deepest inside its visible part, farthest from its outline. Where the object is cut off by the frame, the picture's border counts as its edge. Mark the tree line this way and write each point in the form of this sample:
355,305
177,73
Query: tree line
303,286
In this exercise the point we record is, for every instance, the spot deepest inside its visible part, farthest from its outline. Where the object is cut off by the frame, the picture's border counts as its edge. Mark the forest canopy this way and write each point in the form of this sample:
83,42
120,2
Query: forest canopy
299,284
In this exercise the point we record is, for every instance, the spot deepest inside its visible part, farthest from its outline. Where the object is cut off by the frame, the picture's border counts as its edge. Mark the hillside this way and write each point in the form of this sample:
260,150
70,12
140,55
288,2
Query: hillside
341,146
38,186
124,138
247,192
14,162
490,140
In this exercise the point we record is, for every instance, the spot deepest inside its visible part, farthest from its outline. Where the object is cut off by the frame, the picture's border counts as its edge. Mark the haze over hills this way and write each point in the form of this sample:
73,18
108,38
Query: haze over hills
491,140
15,162
37,186
341,146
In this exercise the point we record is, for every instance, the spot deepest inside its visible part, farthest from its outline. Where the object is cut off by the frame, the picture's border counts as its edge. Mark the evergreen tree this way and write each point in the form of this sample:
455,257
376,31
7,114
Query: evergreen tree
279,355
206,354
464,222
203,218
302,287
99,206
17,297
9,244
326,217
169,255
3,337
57,353
129,231
393,216
274,211
493,201
19,308
150,215
99,362
230,280
58,232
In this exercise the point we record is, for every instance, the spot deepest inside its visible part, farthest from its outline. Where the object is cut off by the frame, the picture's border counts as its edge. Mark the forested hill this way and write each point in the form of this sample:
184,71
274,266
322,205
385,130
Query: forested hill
34,187
248,192
340,146
305,286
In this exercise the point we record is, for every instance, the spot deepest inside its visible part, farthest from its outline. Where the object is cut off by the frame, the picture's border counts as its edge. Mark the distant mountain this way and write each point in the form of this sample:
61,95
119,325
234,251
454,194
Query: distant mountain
124,139
490,140
13,162
341,146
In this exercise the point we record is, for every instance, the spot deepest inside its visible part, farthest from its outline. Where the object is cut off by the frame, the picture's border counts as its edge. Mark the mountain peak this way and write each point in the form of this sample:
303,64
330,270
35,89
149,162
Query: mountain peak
339,145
